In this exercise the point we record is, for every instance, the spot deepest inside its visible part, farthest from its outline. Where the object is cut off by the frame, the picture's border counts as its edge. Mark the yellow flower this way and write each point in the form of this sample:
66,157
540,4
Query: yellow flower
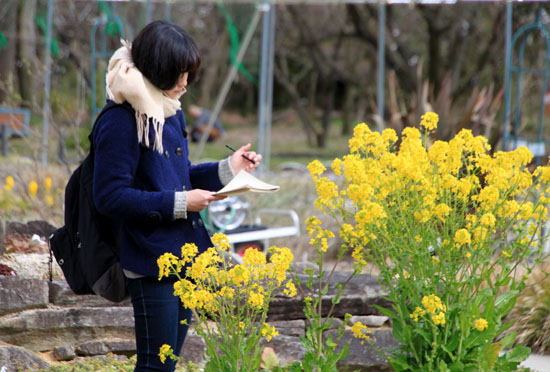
269,331
488,219
9,183
221,241
49,200
429,120
432,303
33,188
506,254
188,252
438,318
290,289
360,331
256,298
418,312
316,168
441,211
165,351
167,263
463,236
254,258
48,184
480,324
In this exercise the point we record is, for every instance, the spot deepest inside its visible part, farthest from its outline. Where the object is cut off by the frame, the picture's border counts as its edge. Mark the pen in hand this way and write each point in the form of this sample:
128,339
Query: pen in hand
243,155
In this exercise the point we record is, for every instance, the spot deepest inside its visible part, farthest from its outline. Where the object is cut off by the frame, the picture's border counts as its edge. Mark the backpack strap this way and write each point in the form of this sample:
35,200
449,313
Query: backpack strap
109,105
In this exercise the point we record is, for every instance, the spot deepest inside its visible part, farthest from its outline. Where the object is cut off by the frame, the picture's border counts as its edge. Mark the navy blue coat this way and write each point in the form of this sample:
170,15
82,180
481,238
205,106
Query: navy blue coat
145,202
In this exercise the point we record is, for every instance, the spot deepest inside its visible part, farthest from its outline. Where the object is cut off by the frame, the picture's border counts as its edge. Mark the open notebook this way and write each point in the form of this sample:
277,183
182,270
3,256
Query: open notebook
244,182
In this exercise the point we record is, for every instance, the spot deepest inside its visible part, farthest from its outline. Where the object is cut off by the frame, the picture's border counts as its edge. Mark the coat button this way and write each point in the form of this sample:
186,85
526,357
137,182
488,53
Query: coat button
183,187
153,217
194,224
166,154
201,224
179,151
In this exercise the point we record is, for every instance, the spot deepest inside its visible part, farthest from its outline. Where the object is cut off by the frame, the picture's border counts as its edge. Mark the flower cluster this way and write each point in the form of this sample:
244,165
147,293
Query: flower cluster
480,324
432,306
361,332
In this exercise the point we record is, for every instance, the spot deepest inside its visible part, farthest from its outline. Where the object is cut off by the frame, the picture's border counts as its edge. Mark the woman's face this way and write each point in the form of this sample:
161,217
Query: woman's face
177,91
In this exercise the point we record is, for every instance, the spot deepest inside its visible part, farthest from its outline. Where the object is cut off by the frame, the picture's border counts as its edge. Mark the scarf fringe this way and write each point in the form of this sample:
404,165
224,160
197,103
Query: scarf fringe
143,122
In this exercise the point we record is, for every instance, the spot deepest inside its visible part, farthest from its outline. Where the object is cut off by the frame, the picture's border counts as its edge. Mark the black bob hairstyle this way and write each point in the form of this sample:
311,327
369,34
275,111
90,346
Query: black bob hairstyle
162,51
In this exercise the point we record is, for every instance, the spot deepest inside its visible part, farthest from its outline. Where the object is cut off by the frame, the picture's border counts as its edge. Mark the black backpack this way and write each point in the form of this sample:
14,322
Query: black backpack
86,248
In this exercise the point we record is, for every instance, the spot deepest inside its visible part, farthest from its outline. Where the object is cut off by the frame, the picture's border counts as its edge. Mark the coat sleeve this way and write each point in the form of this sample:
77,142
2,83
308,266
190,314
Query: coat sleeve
116,157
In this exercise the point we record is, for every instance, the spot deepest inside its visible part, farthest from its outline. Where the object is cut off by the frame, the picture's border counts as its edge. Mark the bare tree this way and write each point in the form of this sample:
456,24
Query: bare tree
26,58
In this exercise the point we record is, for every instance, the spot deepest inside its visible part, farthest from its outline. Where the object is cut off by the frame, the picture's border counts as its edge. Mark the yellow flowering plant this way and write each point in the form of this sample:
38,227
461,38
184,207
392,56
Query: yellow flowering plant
452,229
15,203
229,301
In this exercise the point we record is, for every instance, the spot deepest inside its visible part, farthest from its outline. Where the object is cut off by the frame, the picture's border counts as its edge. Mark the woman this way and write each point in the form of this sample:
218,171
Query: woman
144,181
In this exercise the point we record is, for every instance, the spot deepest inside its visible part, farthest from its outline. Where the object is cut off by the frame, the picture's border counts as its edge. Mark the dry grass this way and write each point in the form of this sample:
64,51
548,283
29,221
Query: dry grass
531,314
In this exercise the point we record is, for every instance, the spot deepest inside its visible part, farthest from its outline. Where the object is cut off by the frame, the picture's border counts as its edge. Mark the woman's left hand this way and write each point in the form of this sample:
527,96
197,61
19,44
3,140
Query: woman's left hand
239,163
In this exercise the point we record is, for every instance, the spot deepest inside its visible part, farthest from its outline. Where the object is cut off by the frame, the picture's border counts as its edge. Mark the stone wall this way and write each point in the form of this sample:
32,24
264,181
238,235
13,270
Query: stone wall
38,316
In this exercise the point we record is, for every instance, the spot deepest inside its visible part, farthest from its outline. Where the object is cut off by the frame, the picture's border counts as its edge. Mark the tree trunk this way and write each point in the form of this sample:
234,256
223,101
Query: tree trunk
7,55
26,64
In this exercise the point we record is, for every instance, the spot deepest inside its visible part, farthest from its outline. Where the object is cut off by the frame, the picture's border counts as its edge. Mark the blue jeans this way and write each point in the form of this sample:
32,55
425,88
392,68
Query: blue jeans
157,316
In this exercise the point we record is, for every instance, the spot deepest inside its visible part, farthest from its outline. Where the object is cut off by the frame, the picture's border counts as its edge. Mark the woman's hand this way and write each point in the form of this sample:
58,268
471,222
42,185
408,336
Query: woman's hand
239,163
198,199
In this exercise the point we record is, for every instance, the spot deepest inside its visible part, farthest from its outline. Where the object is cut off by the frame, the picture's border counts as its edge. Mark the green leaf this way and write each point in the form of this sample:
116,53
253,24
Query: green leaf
424,335
385,311
518,354
508,340
398,331
505,302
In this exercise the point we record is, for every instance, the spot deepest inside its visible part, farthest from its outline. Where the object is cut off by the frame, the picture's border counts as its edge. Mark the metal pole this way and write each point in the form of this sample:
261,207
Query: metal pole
262,104
269,107
148,12
381,63
5,137
507,66
167,10
227,83
46,104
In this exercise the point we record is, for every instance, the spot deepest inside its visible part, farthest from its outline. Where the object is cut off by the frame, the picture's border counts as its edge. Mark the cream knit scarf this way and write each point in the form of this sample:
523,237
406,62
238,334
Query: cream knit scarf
124,82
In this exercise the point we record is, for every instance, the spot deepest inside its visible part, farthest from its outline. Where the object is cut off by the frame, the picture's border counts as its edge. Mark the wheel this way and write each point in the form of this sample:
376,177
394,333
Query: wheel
242,247
229,213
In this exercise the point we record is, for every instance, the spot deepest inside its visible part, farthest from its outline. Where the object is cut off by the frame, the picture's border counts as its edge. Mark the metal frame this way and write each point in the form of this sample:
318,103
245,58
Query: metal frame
514,141
102,54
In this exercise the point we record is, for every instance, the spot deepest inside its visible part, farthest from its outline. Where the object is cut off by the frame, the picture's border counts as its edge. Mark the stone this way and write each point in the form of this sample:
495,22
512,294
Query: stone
2,238
39,329
363,357
17,293
294,328
64,353
193,348
359,297
370,320
62,295
102,347
16,358
41,228
287,348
